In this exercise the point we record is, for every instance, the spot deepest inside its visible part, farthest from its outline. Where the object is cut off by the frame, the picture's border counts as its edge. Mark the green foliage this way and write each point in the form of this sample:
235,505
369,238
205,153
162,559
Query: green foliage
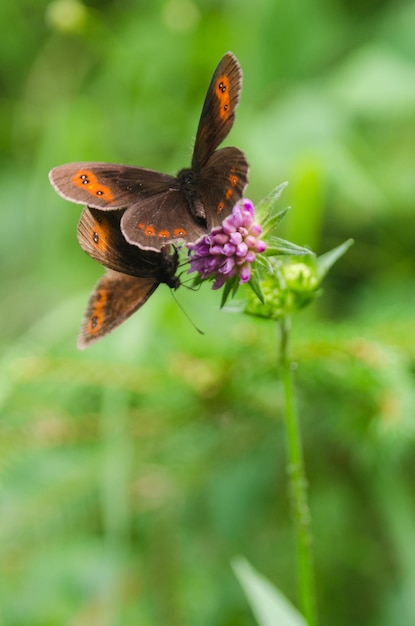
269,606
131,474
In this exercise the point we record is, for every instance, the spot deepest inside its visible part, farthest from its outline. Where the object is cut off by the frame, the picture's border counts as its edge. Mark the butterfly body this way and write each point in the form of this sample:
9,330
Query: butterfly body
188,182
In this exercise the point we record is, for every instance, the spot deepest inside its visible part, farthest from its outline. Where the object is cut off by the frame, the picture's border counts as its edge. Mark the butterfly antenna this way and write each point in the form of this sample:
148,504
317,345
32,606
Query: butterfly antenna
185,313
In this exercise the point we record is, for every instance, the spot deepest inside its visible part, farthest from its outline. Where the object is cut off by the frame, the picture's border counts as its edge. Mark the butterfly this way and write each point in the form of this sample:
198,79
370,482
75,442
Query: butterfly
160,209
131,278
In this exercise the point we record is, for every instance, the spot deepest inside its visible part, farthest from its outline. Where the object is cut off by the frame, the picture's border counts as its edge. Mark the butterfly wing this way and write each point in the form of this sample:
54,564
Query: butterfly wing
218,111
100,236
161,209
114,298
107,185
222,182
156,212
162,219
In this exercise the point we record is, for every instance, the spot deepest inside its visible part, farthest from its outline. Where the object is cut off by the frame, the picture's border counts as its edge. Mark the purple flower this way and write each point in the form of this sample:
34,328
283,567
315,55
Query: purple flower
229,249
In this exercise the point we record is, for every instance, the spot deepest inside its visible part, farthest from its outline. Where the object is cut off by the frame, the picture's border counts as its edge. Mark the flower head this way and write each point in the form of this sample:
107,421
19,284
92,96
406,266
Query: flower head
230,249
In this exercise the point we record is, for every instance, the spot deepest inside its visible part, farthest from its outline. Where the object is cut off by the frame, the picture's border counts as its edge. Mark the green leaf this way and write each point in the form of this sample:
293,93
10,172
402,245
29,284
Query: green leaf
327,260
271,221
255,285
268,604
231,286
282,246
267,204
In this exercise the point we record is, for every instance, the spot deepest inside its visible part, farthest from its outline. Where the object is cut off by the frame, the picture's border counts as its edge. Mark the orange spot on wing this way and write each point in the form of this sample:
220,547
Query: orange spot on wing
220,207
147,229
164,234
228,194
179,232
222,93
233,179
97,317
99,235
87,181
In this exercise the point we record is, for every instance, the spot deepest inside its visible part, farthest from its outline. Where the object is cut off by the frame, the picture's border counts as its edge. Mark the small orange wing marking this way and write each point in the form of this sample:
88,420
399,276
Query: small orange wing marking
148,229
97,317
222,93
86,180
179,232
99,236
164,234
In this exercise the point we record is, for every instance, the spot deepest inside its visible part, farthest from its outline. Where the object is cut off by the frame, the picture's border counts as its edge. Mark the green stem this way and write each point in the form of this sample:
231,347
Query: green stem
297,484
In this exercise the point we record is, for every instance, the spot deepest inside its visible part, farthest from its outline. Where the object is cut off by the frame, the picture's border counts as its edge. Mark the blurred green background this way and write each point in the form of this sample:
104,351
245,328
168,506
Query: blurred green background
131,474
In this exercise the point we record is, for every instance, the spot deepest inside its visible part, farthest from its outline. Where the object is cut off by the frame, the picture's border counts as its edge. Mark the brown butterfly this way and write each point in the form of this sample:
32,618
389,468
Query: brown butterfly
162,209
131,278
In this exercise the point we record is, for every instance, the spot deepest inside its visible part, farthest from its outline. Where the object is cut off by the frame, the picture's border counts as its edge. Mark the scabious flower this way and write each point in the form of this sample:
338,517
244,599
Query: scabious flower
284,279
230,249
